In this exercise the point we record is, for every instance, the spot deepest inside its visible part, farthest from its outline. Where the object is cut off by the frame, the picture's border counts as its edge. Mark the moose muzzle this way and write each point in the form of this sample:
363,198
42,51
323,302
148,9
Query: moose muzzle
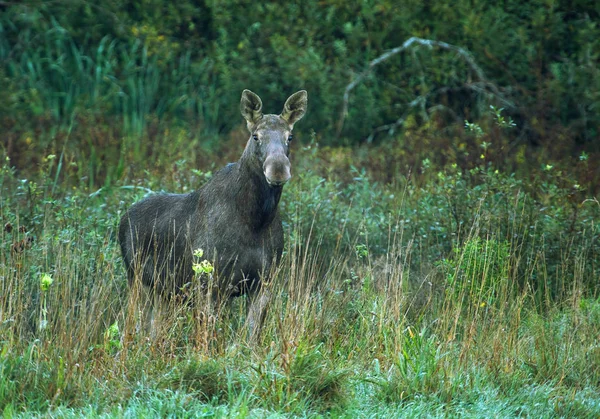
277,169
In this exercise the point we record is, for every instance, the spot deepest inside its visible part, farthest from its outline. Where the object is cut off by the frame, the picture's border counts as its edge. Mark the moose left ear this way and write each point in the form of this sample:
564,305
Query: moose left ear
251,108
295,107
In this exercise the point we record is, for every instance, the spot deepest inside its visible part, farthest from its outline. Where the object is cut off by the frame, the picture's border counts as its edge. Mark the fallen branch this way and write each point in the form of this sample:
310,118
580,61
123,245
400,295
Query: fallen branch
421,101
463,53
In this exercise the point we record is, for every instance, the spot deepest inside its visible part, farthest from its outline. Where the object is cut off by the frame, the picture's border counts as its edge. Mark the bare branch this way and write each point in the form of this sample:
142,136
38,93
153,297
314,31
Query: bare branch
463,53
394,125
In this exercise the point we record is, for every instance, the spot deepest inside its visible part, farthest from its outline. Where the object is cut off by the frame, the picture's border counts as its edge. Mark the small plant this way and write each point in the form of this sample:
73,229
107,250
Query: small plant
474,128
477,271
302,377
201,266
500,119
112,338
362,251
417,369
45,283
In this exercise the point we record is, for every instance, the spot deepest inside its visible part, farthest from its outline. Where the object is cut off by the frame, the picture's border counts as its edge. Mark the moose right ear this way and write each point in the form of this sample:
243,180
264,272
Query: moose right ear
295,107
251,108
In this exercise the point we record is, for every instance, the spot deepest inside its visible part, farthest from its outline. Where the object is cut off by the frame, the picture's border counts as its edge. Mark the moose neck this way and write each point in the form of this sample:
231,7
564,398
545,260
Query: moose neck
256,199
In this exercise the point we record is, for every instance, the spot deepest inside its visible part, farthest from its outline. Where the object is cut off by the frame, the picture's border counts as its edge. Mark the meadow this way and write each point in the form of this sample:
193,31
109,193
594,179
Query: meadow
450,293
442,229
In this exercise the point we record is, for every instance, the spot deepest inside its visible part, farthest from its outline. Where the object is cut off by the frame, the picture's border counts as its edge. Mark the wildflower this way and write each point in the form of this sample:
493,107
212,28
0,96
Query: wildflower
203,267
198,253
45,282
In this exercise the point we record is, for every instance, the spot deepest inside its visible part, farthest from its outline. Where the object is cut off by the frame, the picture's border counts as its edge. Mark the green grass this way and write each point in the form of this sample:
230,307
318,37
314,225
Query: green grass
379,308
453,291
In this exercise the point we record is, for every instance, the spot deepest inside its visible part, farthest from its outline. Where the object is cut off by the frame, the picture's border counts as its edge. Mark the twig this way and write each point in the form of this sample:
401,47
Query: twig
392,127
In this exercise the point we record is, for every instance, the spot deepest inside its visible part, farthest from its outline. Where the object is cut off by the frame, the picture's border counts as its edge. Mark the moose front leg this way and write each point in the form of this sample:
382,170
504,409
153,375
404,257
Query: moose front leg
258,303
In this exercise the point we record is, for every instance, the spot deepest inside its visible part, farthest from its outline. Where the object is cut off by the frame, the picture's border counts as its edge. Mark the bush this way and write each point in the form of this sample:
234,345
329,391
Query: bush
131,70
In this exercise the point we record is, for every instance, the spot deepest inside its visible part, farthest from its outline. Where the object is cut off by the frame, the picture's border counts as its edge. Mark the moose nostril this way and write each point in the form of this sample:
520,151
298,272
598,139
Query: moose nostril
276,182
277,170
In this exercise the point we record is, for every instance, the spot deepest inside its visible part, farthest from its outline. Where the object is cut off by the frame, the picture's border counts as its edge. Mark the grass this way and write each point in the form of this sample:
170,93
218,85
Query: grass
362,325
446,292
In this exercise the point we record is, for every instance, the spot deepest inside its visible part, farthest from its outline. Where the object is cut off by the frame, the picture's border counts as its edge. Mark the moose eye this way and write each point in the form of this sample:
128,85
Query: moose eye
255,137
290,138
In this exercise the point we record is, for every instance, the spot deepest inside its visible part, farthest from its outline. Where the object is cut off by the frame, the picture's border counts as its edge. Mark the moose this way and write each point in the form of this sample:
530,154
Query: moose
234,217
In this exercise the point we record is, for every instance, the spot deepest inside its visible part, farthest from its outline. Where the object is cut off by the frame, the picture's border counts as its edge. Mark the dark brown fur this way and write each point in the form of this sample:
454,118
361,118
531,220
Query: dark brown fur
233,217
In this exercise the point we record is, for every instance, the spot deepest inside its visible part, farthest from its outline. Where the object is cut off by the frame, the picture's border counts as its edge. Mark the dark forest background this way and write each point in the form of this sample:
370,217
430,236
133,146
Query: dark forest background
153,80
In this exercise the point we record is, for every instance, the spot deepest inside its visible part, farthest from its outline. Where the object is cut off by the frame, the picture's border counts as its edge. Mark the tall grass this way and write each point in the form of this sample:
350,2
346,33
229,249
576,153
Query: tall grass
126,80
103,104
352,328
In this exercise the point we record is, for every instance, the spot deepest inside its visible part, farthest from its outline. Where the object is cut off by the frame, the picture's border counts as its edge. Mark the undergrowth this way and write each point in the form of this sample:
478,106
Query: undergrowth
464,294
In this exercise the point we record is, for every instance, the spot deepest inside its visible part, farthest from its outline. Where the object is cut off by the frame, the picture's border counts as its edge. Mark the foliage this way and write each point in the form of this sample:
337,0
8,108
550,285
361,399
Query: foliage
448,268
416,370
103,82
386,302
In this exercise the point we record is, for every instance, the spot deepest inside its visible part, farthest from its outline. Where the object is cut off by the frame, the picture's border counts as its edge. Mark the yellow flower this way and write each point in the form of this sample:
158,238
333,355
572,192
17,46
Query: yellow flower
45,282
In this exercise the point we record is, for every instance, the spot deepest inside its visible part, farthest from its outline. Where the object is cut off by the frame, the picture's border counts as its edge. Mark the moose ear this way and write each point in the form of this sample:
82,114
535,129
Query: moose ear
295,107
251,108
